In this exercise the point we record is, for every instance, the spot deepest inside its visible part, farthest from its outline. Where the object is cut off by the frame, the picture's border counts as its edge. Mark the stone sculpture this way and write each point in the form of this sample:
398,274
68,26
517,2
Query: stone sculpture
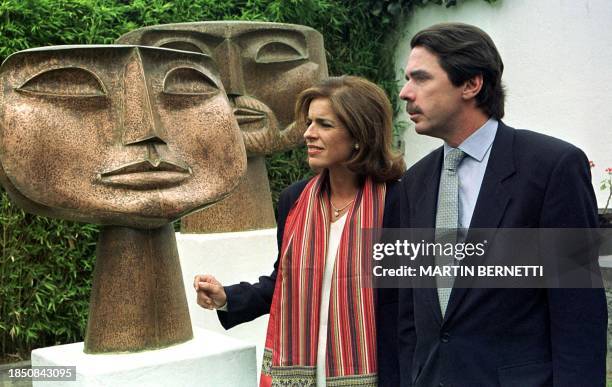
131,138
263,66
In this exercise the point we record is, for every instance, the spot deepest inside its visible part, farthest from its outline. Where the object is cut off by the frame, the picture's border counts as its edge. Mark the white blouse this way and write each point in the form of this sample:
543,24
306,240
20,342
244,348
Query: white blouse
335,233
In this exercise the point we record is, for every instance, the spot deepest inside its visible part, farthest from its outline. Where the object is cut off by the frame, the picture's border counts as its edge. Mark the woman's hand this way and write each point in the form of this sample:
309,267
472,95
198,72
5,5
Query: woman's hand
210,292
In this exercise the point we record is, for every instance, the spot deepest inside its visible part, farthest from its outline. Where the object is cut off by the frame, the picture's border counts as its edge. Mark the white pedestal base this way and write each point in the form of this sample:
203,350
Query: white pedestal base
231,258
209,359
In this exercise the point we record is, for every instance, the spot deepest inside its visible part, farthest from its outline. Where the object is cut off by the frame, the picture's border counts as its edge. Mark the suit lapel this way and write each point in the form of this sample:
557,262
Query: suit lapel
424,213
494,196
493,199
424,217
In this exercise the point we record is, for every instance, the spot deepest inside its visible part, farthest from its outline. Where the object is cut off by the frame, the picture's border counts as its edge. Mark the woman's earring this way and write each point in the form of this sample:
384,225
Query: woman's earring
356,146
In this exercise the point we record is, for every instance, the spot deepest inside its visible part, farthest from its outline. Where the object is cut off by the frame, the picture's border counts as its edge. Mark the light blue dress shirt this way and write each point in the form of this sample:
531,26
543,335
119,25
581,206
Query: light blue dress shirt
472,168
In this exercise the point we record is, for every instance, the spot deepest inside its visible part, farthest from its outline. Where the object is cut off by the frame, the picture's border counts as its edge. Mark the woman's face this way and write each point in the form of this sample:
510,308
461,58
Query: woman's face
329,143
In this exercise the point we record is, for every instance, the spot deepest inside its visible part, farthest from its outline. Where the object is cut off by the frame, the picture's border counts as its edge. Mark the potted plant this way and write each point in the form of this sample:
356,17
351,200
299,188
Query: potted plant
605,215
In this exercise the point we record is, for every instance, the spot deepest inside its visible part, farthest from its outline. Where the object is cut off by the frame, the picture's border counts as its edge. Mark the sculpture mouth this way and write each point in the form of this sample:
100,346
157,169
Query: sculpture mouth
146,174
245,115
248,109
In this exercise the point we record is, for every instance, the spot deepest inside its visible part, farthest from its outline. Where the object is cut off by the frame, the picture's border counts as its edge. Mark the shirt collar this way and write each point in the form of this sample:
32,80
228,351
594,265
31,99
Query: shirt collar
479,142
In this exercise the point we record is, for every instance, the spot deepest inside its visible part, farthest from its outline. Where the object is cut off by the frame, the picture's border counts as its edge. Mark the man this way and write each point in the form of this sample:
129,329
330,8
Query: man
503,178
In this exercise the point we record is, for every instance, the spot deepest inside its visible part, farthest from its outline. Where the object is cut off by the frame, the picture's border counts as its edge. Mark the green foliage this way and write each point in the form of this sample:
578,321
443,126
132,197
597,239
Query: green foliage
46,265
45,278
286,168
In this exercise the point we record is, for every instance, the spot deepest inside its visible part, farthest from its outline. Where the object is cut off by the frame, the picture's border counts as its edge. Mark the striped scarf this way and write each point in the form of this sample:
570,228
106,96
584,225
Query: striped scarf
290,354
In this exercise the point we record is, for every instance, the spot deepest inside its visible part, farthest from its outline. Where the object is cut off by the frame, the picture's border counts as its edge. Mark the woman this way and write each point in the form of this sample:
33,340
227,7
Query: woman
323,319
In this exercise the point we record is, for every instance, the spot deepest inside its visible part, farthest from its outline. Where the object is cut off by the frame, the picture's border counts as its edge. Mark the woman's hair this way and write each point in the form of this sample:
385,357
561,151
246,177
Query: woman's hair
365,111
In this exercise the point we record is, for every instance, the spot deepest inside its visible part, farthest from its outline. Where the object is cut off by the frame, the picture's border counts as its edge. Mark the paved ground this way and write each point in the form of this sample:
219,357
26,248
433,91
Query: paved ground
4,375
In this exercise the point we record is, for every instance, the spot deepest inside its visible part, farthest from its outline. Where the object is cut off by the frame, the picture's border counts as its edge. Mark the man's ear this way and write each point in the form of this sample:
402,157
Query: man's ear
472,87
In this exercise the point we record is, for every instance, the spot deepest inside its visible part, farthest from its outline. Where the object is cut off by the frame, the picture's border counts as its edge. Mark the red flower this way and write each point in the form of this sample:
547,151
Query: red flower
591,163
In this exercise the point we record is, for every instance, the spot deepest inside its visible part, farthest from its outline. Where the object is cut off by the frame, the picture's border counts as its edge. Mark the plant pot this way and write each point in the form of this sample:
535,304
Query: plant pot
605,219
605,224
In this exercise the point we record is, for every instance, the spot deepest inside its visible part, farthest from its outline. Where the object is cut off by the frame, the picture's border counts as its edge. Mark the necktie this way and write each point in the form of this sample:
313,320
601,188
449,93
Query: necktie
447,218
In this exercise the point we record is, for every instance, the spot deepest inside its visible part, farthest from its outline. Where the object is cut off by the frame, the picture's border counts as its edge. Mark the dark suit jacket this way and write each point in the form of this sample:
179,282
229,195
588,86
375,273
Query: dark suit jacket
246,301
508,337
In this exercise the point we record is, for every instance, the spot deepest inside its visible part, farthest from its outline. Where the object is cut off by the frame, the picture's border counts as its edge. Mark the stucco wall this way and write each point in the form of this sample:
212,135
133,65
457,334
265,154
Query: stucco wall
558,69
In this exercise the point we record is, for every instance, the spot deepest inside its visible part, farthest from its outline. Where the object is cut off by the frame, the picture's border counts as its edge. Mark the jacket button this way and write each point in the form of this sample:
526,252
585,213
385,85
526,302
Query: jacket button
445,337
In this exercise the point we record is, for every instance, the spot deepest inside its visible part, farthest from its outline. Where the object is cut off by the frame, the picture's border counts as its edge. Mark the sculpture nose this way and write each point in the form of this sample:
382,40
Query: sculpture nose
141,124
232,75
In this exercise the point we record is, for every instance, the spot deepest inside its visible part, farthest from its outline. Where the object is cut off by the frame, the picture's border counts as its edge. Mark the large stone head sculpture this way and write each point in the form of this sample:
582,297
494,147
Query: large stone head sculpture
131,138
119,135
263,67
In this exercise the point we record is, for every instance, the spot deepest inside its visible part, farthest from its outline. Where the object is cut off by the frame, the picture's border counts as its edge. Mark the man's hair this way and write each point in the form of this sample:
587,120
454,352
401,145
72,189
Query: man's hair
365,111
465,51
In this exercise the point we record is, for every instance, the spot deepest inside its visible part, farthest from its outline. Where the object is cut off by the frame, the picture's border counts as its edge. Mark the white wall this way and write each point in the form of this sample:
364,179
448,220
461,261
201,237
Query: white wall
558,69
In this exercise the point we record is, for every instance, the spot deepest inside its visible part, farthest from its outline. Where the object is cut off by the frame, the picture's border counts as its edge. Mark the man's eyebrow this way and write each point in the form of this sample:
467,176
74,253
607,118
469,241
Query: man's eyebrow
418,74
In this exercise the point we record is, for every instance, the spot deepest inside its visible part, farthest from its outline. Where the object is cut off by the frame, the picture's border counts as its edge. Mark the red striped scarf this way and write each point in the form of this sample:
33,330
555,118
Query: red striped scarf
290,355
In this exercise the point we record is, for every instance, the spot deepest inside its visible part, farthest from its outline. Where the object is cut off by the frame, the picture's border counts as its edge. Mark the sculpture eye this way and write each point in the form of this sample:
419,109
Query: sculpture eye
189,81
278,52
183,46
64,82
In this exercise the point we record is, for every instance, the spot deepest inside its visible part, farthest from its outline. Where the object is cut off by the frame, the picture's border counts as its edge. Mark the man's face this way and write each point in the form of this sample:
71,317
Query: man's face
117,134
432,101
263,67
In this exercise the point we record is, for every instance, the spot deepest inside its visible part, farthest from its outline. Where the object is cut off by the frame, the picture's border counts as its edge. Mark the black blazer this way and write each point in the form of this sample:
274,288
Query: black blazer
246,301
508,337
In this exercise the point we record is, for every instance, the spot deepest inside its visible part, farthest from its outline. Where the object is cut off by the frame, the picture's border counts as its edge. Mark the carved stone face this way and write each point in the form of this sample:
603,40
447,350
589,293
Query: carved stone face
123,135
263,66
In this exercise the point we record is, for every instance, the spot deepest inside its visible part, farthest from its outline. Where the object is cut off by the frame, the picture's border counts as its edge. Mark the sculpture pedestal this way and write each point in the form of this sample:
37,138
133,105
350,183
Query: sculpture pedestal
231,258
136,296
209,359
249,207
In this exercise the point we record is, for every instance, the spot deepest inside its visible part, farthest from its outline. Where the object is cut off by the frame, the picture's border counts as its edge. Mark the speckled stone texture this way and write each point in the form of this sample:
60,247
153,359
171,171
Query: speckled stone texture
263,67
136,303
132,138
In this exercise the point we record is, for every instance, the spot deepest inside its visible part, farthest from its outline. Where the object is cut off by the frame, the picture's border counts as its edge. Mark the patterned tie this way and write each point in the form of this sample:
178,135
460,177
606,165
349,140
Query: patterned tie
447,218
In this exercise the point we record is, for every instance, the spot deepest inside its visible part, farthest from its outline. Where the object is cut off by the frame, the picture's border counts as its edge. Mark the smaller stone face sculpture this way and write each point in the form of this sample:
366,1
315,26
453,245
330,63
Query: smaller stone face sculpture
263,67
131,138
